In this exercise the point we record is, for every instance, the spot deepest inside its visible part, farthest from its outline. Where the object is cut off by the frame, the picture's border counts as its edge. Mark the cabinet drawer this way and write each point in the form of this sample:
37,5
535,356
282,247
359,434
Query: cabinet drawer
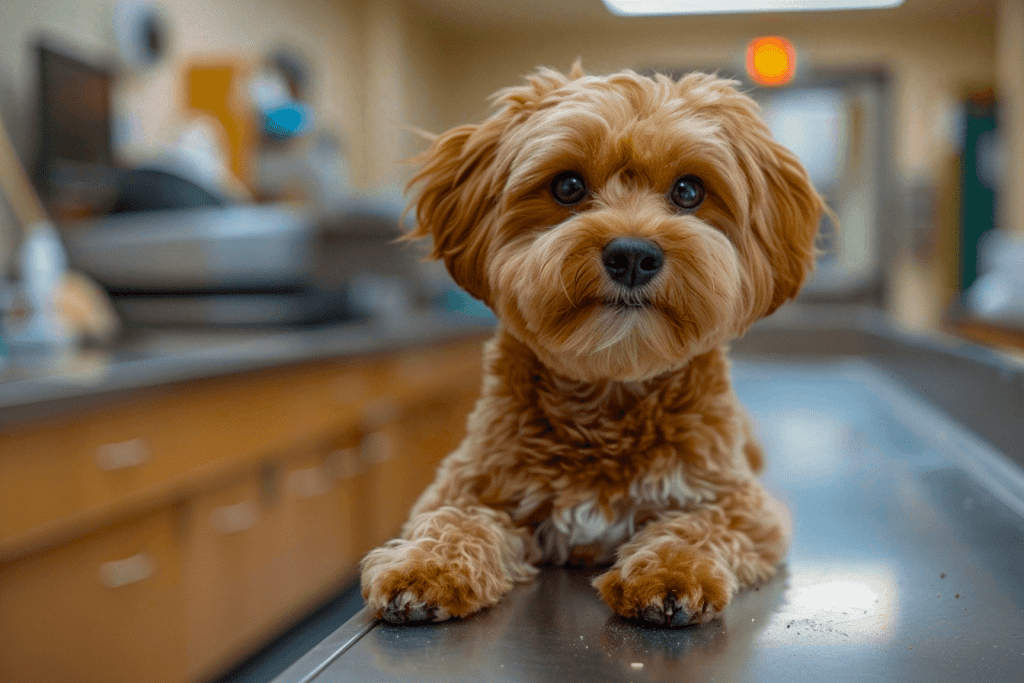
146,448
320,520
356,493
197,427
42,474
269,544
403,454
223,546
105,608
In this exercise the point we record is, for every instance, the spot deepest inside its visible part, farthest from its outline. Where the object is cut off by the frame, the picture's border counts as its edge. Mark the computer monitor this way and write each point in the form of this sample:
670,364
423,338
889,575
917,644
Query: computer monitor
74,110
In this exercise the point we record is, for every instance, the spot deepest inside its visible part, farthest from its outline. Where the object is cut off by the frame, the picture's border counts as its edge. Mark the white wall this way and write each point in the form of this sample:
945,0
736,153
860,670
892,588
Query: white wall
932,60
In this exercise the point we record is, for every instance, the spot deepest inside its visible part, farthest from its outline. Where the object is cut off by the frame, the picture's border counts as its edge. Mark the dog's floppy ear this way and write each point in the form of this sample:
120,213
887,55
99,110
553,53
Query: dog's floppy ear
460,181
790,218
784,209
458,187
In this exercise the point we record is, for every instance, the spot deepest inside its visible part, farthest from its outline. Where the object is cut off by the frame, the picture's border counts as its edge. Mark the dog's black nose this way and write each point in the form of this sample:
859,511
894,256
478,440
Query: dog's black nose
631,261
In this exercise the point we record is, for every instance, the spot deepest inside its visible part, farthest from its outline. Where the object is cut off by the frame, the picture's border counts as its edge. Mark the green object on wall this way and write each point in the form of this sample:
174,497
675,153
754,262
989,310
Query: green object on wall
978,198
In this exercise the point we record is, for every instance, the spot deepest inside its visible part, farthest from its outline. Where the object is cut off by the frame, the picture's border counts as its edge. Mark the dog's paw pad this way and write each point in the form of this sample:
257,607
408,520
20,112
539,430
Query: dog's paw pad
673,612
668,594
405,608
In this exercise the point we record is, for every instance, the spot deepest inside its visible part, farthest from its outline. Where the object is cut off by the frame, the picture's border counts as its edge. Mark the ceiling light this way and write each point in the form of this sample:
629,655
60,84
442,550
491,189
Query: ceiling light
663,7
771,60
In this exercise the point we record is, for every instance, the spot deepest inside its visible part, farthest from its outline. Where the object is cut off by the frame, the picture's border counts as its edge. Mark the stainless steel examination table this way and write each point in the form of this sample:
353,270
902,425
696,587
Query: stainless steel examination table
901,460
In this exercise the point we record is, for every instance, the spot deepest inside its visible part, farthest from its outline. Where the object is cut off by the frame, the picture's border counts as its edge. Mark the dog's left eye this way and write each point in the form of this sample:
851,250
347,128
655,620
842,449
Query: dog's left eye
569,188
687,192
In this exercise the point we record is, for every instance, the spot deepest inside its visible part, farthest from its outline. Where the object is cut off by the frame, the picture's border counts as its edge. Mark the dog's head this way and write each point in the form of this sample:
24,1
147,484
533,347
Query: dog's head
620,225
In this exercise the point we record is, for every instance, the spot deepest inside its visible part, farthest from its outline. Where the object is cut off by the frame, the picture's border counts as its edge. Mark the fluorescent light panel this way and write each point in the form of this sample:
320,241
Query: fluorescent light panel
665,7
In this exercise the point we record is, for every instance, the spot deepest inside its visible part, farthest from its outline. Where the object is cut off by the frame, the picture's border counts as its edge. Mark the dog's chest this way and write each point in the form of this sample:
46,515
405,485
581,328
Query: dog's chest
589,533
603,462
584,534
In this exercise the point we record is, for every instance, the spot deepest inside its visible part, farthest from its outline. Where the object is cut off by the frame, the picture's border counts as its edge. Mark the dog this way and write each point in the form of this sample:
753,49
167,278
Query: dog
623,229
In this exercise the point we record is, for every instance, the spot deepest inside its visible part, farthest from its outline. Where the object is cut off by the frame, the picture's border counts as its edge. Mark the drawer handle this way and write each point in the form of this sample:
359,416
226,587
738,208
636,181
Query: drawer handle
119,456
376,448
345,463
309,482
379,413
232,519
118,573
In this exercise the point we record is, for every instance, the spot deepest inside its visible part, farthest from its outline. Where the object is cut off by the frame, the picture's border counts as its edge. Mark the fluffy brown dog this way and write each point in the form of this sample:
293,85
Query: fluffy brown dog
623,229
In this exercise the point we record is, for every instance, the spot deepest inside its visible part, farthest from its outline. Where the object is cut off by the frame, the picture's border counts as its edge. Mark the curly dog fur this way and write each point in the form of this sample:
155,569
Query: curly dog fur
607,430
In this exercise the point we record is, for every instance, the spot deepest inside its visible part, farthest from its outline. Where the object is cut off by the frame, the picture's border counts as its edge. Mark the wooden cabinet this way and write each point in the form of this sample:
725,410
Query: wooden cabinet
320,518
43,469
164,536
90,465
106,607
229,563
404,453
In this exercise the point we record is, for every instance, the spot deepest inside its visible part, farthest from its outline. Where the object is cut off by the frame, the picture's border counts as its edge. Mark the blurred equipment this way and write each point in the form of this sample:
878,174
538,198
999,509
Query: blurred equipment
998,294
75,166
278,91
207,249
152,189
60,308
218,89
249,264
179,241
141,33
74,149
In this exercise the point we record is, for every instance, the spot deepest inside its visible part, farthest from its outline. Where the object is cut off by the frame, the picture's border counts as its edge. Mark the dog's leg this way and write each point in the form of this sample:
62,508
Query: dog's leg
685,567
449,562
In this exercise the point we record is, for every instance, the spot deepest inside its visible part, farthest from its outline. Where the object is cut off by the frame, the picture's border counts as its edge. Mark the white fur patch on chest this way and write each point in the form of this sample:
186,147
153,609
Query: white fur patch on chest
585,533
583,527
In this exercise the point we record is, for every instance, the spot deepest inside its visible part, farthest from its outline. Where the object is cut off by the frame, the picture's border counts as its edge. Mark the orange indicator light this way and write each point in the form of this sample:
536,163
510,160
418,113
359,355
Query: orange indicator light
771,60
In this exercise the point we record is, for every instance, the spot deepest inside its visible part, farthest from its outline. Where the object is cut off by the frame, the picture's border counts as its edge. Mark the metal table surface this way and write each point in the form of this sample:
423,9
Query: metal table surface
907,565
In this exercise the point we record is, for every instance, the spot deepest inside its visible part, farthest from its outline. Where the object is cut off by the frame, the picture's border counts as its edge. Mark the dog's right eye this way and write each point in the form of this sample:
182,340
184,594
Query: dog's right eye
687,192
568,188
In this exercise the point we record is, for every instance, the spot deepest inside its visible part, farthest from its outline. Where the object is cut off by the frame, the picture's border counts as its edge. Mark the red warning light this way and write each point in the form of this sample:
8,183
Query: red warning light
771,60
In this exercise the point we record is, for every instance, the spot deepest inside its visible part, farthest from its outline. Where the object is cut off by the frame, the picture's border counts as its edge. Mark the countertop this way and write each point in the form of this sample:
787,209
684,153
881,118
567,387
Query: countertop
906,565
33,387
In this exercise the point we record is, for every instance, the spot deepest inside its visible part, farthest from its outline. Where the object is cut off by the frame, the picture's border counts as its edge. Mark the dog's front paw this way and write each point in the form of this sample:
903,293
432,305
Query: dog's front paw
405,582
407,607
452,563
667,587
